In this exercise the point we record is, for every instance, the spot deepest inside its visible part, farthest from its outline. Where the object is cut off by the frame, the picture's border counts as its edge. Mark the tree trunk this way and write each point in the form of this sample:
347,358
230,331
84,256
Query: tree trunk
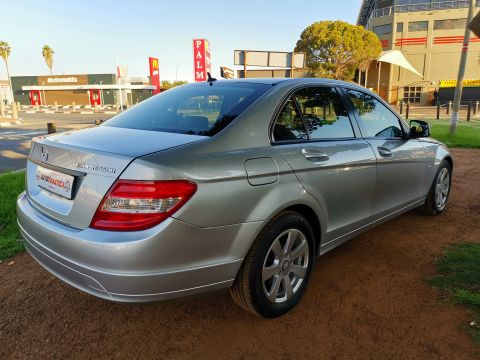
9,80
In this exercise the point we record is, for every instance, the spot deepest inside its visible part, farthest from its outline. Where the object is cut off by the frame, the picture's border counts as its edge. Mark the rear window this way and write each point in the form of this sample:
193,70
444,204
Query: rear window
196,109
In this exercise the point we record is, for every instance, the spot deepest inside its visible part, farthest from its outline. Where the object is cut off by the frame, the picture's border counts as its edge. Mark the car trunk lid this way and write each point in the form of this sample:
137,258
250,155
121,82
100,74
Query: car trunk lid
69,173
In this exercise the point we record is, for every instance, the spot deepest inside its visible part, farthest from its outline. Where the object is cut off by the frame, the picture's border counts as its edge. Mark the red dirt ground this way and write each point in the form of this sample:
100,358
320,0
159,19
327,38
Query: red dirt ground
367,300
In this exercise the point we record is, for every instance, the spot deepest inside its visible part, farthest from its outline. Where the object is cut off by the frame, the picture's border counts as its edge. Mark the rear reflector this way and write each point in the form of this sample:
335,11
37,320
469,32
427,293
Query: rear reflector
133,205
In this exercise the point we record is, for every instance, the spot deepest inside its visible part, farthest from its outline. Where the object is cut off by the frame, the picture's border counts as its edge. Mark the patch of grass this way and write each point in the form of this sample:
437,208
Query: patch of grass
459,276
467,134
11,184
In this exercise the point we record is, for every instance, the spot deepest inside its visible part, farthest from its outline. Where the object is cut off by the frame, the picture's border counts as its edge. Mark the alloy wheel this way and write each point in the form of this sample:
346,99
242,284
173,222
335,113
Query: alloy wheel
285,266
442,188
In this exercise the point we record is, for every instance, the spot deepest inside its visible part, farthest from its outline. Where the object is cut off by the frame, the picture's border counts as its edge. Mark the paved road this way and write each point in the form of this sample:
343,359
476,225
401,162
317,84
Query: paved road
15,141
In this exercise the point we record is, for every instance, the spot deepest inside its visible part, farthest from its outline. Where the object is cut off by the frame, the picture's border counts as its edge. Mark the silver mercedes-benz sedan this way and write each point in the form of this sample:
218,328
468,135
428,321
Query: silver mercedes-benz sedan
234,184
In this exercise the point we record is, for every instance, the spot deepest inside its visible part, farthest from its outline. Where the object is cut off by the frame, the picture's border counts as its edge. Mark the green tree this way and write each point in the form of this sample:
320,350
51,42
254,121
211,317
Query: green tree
5,51
166,84
47,53
335,49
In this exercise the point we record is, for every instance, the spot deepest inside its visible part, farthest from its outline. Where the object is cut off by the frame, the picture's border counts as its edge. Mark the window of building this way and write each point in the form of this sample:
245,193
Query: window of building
412,5
418,26
399,27
324,114
449,24
449,4
376,118
384,4
383,29
412,94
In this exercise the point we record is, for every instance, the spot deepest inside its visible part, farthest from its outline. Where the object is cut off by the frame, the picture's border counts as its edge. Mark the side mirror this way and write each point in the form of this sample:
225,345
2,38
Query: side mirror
419,129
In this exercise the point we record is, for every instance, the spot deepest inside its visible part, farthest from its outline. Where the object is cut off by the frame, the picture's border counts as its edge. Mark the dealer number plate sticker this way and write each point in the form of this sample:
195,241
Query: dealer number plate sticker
55,182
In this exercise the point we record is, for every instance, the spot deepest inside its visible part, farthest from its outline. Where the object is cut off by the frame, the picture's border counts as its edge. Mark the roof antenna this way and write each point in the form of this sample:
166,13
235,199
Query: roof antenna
210,79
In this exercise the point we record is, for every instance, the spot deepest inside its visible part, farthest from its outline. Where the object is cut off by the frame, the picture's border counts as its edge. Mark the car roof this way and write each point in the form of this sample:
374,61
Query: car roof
275,81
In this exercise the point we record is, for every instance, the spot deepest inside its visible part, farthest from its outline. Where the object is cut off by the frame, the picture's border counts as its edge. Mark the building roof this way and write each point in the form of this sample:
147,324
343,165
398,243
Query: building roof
88,87
365,11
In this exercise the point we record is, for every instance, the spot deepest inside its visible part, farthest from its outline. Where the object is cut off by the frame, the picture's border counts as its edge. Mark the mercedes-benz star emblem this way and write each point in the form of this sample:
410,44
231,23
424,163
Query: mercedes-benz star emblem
44,154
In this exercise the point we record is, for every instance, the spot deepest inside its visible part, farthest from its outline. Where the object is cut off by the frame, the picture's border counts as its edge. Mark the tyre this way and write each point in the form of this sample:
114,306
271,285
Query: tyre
276,270
440,191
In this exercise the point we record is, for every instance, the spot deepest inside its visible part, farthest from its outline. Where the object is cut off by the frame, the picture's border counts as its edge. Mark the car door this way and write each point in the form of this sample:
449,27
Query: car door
314,133
401,162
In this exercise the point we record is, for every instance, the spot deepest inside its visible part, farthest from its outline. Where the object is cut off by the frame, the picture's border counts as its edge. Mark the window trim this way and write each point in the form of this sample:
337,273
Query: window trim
299,110
363,130
291,94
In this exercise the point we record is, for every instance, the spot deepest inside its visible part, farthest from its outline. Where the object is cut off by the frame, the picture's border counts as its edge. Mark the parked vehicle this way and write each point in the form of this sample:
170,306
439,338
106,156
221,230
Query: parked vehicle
234,184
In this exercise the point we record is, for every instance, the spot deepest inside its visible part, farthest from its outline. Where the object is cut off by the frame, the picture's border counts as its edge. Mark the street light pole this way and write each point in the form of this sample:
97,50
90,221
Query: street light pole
120,80
176,72
101,92
461,71
43,92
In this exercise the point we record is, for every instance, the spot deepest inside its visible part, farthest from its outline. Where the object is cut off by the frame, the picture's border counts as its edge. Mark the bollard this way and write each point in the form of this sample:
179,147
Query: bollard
95,107
98,122
18,106
55,106
401,107
37,107
469,110
14,111
407,112
476,107
117,107
2,109
449,107
73,106
438,110
51,128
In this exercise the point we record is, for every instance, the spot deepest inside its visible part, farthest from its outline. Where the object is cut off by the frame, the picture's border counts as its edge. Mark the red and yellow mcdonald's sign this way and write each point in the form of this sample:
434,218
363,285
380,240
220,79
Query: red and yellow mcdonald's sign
154,74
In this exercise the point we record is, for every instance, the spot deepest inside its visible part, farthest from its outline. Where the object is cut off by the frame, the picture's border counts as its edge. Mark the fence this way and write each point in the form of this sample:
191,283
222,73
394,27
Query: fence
441,111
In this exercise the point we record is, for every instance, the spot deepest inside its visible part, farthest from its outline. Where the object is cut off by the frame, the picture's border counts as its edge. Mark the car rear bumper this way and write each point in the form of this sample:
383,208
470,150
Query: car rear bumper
173,259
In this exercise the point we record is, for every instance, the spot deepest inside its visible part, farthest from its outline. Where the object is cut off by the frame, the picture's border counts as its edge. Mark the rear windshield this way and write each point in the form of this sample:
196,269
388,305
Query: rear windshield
196,109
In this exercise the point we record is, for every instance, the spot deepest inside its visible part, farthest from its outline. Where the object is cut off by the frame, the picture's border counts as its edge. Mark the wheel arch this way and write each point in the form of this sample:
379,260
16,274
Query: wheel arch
313,219
450,161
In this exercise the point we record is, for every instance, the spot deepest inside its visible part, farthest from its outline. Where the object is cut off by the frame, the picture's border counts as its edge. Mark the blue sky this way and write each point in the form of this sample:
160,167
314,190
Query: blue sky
88,35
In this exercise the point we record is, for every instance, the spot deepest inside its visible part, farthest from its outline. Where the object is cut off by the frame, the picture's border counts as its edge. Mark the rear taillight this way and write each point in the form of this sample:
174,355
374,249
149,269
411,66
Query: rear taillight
133,205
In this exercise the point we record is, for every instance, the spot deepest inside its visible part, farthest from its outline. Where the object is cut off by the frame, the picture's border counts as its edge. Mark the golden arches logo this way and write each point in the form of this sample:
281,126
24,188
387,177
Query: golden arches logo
154,63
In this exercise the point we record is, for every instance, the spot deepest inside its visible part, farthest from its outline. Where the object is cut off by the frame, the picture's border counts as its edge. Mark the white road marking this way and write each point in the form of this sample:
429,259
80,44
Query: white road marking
18,134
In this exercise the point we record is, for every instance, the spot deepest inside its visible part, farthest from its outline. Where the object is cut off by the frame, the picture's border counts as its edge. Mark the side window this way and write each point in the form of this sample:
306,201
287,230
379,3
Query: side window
377,119
324,114
289,124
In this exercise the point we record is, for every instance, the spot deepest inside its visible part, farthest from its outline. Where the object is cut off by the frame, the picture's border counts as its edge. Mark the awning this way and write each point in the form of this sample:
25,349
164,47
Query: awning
396,57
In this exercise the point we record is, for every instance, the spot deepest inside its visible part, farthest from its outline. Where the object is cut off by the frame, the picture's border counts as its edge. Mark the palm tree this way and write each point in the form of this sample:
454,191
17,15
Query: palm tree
47,53
5,51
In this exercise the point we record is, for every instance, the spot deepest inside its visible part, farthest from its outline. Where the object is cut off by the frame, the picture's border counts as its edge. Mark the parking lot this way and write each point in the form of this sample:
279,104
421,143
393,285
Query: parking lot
367,299
15,140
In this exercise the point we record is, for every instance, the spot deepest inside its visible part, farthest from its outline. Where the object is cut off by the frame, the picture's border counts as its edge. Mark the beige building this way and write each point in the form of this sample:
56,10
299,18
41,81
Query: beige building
430,35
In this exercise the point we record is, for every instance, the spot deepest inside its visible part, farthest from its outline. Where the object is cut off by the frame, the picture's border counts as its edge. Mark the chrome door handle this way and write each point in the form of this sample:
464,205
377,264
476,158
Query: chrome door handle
384,152
314,154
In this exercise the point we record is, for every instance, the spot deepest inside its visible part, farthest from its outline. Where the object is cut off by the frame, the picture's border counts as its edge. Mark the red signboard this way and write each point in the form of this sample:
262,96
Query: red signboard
201,59
154,74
